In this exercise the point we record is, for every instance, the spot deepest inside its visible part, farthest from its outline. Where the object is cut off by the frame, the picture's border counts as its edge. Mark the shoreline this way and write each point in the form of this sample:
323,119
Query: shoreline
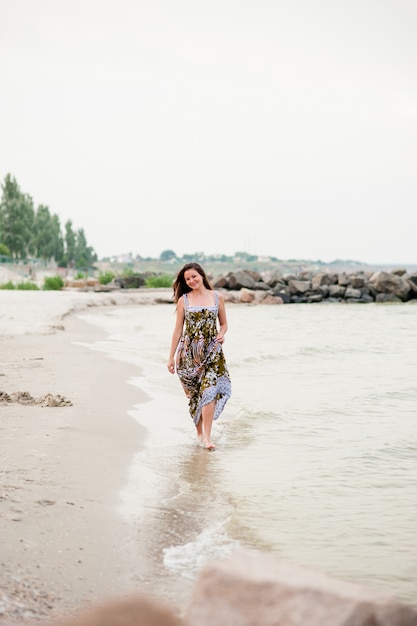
65,546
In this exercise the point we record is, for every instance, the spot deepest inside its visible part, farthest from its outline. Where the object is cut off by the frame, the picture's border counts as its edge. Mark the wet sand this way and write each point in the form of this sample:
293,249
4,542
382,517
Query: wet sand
63,465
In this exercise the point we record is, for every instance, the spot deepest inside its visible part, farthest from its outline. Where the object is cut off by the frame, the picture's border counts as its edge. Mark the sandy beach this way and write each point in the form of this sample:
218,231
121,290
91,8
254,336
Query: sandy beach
66,442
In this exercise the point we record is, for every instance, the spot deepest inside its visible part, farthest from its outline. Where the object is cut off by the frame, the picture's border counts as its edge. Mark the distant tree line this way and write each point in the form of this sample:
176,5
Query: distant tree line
170,255
29,232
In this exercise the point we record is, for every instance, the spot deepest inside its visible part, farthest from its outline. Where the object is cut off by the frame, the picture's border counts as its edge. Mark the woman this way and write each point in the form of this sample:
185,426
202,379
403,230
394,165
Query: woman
200,361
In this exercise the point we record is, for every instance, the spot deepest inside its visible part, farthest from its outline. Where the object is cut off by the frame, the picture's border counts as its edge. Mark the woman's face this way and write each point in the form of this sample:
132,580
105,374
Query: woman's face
193,279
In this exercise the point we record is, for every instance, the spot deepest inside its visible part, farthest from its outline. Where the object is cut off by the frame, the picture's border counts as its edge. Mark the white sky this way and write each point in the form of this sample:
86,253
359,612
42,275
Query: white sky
276,127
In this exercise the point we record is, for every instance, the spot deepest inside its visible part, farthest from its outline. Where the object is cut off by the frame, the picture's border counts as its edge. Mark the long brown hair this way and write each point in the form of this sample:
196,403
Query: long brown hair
180,287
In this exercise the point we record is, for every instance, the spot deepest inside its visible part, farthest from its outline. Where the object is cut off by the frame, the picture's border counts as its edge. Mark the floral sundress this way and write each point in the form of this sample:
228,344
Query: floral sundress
200,361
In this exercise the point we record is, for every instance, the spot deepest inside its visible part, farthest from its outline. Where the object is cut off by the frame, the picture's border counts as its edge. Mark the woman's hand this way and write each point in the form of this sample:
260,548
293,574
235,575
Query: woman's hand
171,366
220,338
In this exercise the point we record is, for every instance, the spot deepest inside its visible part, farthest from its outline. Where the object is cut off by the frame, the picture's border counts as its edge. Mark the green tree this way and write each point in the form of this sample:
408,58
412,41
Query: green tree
4,250
17,219
26,232
57,240
167,255
81,249
43,243
70,243
84,254
77,251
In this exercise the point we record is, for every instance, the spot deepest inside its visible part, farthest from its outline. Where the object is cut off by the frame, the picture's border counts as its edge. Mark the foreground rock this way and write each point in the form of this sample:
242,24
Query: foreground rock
252,589
139,611
360,287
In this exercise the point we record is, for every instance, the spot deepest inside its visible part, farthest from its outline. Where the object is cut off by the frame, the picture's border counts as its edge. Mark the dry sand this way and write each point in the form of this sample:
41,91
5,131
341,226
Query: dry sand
65,448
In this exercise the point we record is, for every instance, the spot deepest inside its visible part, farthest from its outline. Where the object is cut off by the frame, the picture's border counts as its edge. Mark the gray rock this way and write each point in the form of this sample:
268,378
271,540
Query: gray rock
387,297
299,286
246,295
237,280
255,275
413,277
257,589
343,279
284,295
337,291
387,282
357,280
220,282
315,297
352,293
413,288
280,288
272,277
270,299
323,279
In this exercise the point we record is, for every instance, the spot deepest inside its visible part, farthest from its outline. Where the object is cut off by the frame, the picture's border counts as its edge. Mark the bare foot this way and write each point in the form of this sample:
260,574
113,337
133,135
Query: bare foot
209,445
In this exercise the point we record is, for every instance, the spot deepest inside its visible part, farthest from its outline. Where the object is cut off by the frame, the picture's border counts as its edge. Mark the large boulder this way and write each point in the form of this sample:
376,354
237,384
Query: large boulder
323,278
298,287
357,281
352,293
343,279
239,279
413,277
261,286
270,299
319,279
246,295
413,288
257,589
255,275
389,283
134,281
220,282
272,277
387,297
336,291
283,293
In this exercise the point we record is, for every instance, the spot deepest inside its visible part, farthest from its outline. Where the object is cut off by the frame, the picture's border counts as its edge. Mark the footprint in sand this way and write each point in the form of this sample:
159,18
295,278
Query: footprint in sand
45,502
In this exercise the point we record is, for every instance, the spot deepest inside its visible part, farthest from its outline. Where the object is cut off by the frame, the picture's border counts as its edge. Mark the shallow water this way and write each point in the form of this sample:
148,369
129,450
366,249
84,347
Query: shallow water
316,456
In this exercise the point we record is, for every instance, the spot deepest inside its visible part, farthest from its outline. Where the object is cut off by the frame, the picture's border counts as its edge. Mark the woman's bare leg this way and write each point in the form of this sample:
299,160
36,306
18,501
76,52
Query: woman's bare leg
199,428
207,415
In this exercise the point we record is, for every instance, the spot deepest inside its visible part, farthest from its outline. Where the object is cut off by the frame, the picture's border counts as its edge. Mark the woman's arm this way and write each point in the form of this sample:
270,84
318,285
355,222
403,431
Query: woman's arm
176,335
222,320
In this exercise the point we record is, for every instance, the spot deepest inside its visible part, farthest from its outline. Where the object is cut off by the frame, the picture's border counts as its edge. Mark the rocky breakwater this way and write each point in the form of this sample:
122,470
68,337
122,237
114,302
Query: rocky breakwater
307,287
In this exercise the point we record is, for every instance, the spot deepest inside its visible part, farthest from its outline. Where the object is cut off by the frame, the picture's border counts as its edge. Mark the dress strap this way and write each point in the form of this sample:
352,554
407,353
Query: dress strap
186,305
216,298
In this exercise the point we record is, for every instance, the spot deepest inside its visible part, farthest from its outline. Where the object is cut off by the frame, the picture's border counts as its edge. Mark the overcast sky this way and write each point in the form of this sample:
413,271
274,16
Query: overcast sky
275,127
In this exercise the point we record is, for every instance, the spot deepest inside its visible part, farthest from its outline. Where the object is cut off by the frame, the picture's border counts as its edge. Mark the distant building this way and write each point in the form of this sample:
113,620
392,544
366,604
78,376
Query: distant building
122,258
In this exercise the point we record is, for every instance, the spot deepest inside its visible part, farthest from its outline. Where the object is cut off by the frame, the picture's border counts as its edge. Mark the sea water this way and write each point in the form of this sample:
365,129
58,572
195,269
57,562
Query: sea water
316,456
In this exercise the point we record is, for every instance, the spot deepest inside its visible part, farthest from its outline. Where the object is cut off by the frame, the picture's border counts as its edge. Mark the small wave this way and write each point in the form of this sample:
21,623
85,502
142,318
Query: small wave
261,358
398,451
211,544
